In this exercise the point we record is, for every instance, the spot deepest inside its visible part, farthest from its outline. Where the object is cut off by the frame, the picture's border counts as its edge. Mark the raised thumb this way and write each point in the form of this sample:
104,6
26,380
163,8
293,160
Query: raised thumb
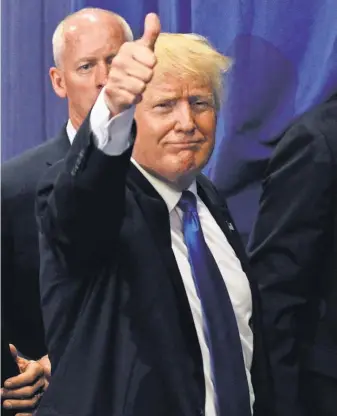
151,30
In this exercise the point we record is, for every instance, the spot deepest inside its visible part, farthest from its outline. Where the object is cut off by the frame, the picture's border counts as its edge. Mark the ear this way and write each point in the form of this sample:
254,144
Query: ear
57,80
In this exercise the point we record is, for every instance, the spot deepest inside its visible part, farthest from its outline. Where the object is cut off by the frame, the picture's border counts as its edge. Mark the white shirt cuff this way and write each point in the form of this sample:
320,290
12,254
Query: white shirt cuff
112,136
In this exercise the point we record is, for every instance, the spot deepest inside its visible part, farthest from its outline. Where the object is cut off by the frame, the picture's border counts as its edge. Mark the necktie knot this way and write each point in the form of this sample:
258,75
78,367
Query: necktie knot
188,202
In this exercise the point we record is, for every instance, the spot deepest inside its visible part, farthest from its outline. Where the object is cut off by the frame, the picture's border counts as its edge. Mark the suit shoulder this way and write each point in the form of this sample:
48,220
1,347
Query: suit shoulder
24,171
316,129
323,119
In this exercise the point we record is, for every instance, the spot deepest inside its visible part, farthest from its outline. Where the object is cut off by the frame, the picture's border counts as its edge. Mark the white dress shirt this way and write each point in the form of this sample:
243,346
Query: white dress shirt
112,137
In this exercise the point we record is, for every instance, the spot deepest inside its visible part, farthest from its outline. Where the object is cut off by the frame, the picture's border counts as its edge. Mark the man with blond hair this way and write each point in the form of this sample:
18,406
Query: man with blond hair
84,44
147,300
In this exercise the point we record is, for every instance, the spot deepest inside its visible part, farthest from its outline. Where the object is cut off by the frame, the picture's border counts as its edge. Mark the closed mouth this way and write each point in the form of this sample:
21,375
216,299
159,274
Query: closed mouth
187,143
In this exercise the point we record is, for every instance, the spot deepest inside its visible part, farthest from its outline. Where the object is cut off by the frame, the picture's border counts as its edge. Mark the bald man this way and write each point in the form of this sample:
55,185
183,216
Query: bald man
84,45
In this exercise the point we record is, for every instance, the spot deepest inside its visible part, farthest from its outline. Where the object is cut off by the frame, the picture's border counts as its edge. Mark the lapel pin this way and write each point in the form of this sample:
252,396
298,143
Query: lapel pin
230,225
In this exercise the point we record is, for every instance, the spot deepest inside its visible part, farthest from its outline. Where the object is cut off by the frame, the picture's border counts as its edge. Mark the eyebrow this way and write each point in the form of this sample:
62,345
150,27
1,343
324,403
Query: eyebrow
172,97
203,96
93,58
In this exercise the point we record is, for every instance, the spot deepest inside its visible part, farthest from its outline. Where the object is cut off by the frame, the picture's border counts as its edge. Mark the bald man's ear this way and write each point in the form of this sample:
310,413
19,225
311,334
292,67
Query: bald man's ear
57,81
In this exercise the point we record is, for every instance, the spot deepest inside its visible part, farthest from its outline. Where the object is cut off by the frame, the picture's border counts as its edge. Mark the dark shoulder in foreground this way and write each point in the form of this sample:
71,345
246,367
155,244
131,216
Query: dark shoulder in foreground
323,117
25,170
316,127
320,119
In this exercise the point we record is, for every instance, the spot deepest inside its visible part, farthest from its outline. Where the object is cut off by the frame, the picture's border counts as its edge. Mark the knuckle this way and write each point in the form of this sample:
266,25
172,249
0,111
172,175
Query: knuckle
35,367
108,91
117,61
130,99
28,392
141,86
126,47
148,75
125,51
41,380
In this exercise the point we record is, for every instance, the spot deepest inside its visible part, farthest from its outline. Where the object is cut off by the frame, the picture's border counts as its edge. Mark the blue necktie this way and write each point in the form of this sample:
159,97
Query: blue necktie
220,326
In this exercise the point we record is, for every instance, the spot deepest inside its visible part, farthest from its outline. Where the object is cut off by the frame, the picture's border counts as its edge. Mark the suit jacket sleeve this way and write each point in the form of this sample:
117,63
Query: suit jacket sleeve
80,205
286,246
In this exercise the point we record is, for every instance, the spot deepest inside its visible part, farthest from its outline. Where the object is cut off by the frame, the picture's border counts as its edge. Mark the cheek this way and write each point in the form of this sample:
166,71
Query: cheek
151,130
207,123
80,86
205,152
208,129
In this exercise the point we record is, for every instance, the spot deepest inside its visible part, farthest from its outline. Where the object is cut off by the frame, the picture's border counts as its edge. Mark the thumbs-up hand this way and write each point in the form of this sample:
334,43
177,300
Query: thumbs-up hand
132,68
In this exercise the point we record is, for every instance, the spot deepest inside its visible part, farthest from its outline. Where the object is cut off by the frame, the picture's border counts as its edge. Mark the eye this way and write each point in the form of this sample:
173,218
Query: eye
165,105
85,67
162,105
201,103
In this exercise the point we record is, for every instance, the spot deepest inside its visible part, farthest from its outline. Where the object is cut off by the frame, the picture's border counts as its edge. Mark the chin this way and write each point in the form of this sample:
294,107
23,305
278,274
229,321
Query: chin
191,163
183,174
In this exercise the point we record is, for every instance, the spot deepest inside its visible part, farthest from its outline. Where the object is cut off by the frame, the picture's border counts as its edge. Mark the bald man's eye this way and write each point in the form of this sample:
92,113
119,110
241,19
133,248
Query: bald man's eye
85,67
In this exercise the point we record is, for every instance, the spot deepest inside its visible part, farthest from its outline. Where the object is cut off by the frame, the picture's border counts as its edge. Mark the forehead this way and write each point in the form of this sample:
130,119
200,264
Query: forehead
177,85
91,35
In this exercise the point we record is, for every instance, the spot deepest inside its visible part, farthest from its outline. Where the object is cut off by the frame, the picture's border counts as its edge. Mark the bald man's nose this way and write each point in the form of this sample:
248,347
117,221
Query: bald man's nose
102,75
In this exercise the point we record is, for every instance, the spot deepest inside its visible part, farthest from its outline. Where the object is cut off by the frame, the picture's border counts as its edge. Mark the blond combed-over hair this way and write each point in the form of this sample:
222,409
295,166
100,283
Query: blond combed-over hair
192,55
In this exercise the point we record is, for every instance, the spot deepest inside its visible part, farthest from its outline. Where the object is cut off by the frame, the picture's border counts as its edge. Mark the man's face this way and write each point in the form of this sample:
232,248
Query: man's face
176,122
90,45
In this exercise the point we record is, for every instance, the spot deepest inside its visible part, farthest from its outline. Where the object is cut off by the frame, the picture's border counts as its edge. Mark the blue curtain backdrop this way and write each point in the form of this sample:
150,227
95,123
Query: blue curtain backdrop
285,55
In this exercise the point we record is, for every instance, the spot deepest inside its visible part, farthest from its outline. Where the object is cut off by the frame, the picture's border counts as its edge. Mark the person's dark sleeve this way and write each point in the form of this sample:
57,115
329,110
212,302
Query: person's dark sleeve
80,205
286,247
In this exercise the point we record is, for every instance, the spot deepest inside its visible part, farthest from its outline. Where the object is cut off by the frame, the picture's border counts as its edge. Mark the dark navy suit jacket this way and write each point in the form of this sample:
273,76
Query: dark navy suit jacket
21,312
294,254
119,329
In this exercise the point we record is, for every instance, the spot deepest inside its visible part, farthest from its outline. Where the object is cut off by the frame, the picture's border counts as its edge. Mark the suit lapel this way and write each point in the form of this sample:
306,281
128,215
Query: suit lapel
221,214
155,213
60,147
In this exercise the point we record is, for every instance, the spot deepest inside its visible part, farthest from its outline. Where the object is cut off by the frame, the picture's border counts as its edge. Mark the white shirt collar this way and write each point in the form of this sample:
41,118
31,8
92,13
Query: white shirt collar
71,132
169,195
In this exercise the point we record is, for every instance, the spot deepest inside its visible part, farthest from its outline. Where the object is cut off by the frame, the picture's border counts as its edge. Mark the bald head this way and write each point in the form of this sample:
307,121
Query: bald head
87,20
85,43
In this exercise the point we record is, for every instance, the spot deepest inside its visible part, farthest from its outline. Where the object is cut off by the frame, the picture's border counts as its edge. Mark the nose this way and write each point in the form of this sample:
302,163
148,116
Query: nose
102,71
185,121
